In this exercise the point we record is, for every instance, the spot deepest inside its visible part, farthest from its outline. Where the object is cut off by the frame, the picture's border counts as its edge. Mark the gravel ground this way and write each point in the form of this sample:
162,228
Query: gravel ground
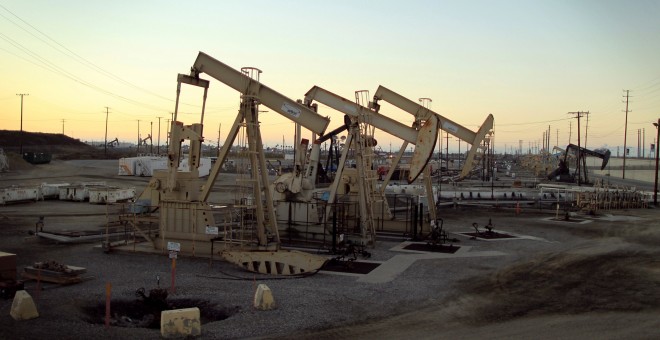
325,305
313,302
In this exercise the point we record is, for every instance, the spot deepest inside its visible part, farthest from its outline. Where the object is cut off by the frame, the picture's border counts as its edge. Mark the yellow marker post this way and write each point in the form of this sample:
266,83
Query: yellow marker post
108,293
172,288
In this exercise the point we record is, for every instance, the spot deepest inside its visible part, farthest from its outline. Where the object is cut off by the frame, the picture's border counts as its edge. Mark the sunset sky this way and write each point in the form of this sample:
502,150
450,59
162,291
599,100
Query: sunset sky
528,63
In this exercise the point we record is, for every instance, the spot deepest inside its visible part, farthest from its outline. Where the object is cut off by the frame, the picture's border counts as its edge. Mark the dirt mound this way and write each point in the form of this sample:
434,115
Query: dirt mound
57,144
567,284
16,162
11,138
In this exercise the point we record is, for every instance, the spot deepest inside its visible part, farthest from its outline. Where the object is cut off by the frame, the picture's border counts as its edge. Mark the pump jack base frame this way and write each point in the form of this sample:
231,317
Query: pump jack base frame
281,262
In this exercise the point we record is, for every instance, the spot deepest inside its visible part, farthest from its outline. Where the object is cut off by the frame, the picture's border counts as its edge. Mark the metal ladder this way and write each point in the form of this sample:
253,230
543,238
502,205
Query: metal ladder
368,176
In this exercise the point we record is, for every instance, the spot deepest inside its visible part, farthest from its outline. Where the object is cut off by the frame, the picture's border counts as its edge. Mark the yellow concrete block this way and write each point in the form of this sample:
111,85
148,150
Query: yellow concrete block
263,298
180,323
23,307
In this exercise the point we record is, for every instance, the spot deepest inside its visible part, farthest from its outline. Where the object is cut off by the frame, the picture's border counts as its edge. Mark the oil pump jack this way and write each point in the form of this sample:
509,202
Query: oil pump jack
580,175
360,121
422,114
143,141
476,139
113,143
185,216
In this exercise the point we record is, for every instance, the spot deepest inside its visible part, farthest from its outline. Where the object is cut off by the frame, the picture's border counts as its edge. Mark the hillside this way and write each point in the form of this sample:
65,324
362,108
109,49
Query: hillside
59,145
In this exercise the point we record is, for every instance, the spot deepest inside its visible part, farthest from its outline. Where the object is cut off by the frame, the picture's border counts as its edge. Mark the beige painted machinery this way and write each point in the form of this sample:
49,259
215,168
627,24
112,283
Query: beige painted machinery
361,181
477,139
186,219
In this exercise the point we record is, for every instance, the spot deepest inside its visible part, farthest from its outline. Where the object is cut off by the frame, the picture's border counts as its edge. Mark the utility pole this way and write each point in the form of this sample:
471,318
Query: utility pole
151,139
459,152
544,139
63,126
159,135
578,168
447,146
219,136
105,145
21,133
570,130
639,137
167,140
439,149
586,130
138,143
625,136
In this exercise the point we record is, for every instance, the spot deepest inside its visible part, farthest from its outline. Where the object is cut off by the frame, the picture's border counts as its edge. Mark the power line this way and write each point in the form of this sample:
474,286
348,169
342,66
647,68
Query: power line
645,93
58,70
73,55
78,58
72,77
653,83
540,122
616,130
48,65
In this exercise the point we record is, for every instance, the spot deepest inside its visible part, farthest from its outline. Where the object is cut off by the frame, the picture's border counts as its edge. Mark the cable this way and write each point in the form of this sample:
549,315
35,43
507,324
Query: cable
77,57
71,54
543,122
640,88
55,69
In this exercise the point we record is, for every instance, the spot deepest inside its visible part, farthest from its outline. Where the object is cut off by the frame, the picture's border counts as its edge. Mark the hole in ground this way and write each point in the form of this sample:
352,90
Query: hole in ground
435,248
570,220
137,314
489,235
354,267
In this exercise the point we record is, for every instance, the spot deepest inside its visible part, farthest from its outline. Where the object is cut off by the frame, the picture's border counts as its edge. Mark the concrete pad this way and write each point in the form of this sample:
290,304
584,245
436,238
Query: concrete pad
263,298
387,271
23,307
180,323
